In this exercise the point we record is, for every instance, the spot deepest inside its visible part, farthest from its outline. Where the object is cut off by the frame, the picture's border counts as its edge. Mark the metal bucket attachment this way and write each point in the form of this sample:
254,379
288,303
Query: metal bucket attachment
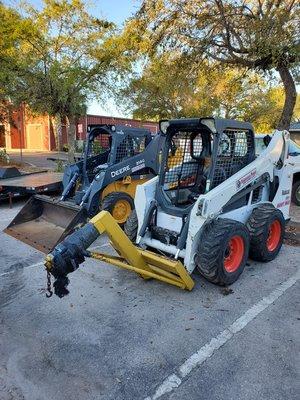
44,222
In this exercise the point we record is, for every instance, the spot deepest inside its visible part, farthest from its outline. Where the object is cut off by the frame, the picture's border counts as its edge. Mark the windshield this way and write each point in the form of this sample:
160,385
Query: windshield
187,165
100,144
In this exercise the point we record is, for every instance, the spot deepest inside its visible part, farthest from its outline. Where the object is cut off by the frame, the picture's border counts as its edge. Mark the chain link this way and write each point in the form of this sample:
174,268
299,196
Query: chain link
49,291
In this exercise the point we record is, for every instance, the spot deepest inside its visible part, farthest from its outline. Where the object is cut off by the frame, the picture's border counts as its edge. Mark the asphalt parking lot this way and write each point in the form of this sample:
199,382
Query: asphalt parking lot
38,159
117,337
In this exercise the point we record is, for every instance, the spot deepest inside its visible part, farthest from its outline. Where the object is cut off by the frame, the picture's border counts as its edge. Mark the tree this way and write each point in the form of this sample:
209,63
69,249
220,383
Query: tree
13,29
168,88
164,90
71,62
266,110
258,35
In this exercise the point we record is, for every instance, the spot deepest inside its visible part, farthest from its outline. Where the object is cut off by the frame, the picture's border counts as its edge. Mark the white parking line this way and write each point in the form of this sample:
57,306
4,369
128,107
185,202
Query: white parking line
6,219
174,380
38,264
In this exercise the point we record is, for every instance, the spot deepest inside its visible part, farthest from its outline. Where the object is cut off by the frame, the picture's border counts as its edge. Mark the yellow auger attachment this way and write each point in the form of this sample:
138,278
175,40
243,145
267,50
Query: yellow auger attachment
67,256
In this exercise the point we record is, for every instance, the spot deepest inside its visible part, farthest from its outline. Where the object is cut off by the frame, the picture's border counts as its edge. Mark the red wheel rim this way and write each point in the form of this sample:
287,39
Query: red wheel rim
234,254
274,235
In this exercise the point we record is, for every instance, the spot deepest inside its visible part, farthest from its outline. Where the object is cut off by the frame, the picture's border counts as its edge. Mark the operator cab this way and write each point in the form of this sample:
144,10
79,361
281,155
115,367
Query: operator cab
188,163
98,147
111,144
199,155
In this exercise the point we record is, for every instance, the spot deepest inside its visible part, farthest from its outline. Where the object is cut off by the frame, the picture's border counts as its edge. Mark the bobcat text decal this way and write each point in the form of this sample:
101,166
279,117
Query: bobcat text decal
246,179
286,202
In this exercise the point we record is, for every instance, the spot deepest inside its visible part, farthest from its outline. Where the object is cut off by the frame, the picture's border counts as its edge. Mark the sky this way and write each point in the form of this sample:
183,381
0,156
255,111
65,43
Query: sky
116,11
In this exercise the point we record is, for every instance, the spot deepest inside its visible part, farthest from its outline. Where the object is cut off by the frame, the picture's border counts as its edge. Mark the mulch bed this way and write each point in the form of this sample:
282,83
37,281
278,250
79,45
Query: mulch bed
292,234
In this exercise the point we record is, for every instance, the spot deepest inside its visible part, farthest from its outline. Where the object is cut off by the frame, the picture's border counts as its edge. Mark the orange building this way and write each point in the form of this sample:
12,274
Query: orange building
35,132
29,131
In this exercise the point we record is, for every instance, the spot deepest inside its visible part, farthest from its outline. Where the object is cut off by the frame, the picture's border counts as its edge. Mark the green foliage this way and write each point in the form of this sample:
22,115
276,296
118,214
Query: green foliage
65,148
79,145
251,33
245,34
65,50
200,58
67,58
4,157
13,30
60,166
96,147
168,88
163,90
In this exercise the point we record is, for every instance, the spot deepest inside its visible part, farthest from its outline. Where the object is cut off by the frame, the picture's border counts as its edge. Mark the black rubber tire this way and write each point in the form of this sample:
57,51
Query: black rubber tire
111,199
131,226
295,189
212,248
259,226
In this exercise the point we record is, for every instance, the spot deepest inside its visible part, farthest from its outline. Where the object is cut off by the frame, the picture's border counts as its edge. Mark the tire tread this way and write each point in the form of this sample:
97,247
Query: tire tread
209,258
131,226
257,227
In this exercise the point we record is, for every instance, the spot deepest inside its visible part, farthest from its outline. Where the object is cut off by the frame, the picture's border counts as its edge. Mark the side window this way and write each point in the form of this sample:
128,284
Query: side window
241,144
139,144
234,148
197,146
129,147
233,143
124,150
224,145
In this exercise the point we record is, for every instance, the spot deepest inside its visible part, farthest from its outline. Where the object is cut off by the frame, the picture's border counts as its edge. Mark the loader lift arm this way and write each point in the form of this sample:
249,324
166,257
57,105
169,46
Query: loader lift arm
71,252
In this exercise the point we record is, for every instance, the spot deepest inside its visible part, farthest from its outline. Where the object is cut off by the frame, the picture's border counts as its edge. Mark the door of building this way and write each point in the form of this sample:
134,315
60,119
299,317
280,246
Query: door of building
34,136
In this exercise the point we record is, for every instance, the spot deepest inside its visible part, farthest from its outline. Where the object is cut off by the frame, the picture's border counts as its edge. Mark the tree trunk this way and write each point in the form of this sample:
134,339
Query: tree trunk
56,125
290,97
71,129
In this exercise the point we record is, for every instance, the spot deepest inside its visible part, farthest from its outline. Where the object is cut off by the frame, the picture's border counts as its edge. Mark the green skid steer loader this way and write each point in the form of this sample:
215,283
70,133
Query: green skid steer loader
107,180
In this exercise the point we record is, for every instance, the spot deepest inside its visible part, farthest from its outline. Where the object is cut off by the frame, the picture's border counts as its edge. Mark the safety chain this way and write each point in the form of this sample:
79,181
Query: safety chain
49,291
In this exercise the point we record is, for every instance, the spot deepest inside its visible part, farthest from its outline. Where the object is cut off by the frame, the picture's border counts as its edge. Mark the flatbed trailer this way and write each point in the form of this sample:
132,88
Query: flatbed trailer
29,184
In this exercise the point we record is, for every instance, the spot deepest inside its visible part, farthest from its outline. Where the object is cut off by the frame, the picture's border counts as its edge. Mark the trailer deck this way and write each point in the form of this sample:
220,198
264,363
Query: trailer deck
31,183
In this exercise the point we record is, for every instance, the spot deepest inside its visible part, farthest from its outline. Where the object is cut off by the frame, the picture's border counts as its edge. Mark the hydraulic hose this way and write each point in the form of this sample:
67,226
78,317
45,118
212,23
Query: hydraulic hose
70,185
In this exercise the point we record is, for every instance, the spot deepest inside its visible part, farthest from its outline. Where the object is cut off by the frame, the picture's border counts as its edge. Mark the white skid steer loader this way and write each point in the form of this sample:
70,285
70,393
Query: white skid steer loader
212,205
